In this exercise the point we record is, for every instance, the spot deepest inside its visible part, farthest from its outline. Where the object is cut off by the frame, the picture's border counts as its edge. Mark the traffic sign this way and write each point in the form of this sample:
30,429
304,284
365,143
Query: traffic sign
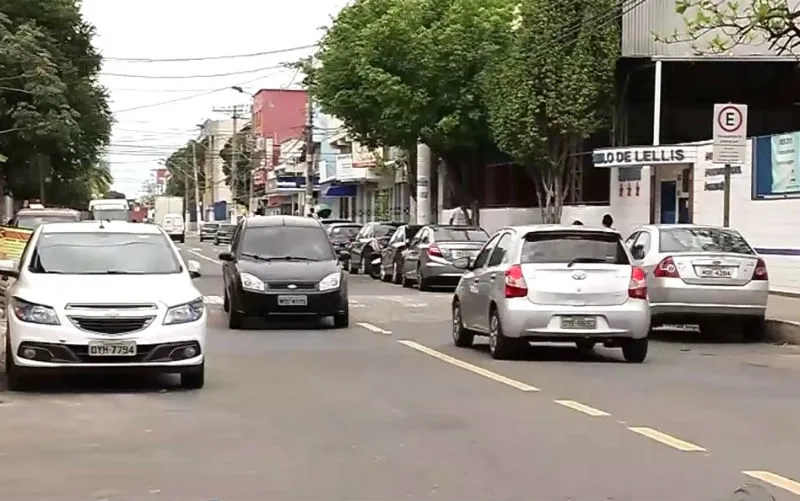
730,134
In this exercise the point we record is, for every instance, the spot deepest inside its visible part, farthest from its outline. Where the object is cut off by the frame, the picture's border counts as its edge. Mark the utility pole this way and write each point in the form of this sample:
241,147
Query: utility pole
186,215
234,111
196,187
309,198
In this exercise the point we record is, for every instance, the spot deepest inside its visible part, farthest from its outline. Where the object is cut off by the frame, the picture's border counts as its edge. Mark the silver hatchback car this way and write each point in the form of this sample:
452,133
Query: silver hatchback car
702,275
552,283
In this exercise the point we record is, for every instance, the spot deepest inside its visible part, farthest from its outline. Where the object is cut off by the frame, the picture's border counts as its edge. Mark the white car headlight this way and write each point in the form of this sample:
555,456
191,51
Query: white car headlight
251,282
185,313
34,313
332,281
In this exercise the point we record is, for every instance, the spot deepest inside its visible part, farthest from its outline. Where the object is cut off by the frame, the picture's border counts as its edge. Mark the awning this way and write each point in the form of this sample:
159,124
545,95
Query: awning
340,190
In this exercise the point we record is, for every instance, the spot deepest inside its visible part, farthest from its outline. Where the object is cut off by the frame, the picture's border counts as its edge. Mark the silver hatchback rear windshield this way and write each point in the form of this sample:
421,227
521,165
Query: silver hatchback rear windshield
568,246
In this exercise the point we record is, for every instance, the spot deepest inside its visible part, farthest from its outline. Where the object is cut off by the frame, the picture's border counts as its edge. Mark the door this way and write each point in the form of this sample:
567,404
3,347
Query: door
490,279
364,236
392,249
412,254
468,287
642,246
684,217
669,202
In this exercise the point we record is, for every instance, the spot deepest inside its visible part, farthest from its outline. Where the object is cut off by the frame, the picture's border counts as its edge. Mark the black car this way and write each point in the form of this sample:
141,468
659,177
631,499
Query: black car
341,236
391,267
328,222
224,234
283,265
368,244
208,231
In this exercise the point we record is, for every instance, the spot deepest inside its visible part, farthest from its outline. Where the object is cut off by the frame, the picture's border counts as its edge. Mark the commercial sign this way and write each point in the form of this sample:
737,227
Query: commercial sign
289,184
730,134
363,156
644,155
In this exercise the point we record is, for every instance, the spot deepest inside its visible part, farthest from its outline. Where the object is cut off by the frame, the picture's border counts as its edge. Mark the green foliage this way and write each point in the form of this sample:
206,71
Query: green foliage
716,26
180,165
51,107
553,88
244,165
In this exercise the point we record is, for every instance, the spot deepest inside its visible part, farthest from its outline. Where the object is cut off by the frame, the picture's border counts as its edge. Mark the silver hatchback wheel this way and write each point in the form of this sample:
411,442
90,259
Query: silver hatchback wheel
494,327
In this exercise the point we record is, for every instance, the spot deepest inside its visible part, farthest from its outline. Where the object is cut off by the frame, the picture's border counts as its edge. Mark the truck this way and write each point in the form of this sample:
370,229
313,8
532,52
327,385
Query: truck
168,213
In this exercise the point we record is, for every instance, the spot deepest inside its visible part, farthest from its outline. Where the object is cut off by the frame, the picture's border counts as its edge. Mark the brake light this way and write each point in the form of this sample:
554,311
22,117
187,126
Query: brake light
666,269
760,273
434,250
637,289
515,282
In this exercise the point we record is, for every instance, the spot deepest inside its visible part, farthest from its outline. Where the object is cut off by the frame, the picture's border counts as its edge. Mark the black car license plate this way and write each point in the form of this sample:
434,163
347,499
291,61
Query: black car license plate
293,300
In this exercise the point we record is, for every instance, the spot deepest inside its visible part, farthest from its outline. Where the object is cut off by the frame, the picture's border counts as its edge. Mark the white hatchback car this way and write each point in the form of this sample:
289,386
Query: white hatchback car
553,283
103,296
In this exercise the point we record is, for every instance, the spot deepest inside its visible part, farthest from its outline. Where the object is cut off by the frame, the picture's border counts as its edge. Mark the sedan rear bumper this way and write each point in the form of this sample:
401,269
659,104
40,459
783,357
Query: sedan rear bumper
674,301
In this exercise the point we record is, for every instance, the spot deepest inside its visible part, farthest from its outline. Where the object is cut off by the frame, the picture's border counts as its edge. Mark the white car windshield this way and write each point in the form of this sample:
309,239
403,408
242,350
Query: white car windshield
103,254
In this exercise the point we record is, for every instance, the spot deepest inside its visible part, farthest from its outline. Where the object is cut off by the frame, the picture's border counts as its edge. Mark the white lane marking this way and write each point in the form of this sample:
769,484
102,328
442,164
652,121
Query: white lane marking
665,439
374,328
198,249
215,300
468,366
577,406
784,483
204,257
356,304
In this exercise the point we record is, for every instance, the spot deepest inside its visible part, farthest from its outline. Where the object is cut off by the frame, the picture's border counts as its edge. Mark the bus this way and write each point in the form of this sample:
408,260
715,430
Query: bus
110,210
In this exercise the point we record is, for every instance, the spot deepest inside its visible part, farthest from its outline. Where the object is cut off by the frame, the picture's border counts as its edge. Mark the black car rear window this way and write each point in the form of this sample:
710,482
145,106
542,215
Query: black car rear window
703,240
567,246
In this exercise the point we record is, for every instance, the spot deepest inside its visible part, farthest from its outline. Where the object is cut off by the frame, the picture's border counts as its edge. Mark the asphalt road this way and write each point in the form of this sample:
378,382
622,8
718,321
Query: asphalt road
389,409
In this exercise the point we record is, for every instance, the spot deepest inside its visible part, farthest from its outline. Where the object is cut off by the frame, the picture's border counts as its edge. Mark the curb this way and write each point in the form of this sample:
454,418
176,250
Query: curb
782,331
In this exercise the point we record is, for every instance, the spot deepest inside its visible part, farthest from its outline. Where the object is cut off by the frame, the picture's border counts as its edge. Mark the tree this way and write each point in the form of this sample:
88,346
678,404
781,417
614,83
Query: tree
400,71
180,165
716,26
54,116
244,165
552,89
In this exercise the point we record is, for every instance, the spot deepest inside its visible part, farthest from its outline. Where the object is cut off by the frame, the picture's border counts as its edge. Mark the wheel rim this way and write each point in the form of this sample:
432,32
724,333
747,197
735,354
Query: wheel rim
494,326
456,322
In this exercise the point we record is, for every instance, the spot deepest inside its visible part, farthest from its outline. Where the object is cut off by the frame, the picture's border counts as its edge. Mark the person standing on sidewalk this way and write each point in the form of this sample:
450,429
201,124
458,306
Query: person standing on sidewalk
608,221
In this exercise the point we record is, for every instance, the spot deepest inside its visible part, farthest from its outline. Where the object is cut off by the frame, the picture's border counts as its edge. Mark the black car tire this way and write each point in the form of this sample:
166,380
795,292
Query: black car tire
342,319
754,330
369,269
405,281
423,283
462,337
635,350
182,240
235,317
501,347
397,277
195,378
16,380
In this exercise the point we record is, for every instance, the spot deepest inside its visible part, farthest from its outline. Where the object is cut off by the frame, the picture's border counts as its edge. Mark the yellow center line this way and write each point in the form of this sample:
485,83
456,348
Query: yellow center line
577,406
665,439
778,481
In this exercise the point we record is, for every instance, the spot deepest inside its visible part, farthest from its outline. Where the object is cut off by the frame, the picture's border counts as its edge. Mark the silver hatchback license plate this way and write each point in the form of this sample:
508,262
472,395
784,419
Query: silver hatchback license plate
293,300
578,322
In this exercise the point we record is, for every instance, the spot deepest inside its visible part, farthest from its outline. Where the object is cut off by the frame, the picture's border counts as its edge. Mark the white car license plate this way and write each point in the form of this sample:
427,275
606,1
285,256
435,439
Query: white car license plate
294,300
578,322
112,348
716,272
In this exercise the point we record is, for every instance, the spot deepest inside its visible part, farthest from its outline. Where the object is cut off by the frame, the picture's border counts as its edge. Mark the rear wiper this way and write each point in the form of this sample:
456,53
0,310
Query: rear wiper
585,260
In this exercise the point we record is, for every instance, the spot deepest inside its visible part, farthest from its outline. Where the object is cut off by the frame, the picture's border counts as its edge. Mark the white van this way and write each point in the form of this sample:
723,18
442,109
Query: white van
174,226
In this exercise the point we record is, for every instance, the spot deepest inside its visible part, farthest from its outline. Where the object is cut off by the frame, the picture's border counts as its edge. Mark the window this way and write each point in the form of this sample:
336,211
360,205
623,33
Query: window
460,235
31,222
567,246
103,253
306,243
629,241
344,232
500,252
110,214
703,240
383,230
399,235
483,255
644,241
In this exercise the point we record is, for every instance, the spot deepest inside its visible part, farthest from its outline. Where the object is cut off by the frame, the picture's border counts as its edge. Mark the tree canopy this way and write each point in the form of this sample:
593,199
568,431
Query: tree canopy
54,116
716,26
180,165
244,149
552,88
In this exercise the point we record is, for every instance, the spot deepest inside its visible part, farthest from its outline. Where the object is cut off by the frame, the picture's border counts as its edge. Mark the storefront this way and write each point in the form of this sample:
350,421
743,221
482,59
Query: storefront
285,194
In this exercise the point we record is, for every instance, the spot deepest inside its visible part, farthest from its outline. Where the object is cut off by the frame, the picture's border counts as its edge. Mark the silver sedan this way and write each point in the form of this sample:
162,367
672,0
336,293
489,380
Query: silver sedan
553,283
702,275
430,255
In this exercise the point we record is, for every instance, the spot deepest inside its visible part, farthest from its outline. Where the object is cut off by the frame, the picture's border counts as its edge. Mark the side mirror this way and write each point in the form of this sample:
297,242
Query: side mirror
225,256
8,268
194,268
463,263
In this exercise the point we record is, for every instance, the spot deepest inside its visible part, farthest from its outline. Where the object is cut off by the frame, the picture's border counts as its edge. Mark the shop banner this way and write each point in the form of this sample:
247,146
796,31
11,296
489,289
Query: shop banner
13,241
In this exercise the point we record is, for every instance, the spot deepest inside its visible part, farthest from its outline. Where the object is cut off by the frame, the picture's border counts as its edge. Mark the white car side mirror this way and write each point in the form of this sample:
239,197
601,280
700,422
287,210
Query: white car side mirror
194,268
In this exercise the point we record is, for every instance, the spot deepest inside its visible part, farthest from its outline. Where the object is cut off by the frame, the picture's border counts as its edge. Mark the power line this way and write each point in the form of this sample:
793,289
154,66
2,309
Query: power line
181,77
208,58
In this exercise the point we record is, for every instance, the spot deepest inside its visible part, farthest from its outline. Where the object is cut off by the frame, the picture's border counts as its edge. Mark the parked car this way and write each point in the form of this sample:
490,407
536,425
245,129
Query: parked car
368,244
208,231
32,218
328,222
341,236
552,283
283,265
429,260
702,275
80,304
224,233
391,258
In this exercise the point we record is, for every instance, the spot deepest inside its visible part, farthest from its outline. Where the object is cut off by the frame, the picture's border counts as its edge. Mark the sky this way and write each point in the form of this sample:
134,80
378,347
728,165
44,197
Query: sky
158,104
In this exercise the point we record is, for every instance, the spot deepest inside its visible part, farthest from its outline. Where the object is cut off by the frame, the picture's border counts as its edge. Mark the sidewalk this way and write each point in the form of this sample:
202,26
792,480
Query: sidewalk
783,316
